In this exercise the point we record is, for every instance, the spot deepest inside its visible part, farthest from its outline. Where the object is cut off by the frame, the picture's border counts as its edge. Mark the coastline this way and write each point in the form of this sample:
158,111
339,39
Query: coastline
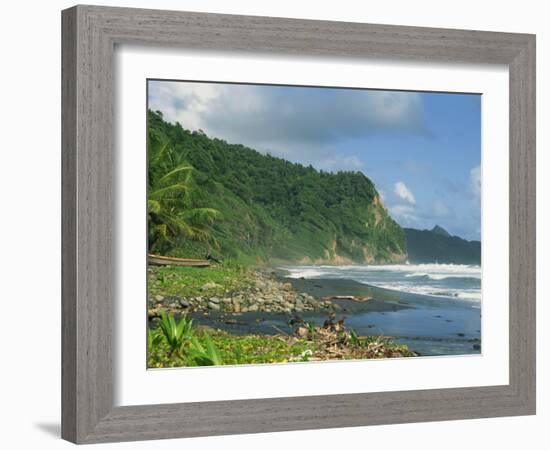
269,290
266,307
277,320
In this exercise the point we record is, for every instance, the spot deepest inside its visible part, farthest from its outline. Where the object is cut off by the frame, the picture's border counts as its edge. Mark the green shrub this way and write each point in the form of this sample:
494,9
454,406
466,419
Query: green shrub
207,355
176,333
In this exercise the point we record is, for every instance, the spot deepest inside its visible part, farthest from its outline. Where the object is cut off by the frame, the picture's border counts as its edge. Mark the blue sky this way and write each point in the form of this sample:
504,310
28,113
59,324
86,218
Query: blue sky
422,150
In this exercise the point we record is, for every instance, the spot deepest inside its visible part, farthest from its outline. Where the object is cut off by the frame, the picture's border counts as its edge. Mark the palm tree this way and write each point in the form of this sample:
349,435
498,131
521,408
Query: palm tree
171,212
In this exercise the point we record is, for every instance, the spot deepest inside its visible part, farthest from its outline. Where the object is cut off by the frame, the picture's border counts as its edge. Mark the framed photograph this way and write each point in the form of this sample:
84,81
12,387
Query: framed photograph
267,222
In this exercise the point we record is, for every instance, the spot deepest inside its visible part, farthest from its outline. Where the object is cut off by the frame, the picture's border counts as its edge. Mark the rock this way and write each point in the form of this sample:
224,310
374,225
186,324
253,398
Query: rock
184,303
286,286
253,308
231,321
214,306
215,300
460,334
210,285
159,298
226,300
301,332
295,319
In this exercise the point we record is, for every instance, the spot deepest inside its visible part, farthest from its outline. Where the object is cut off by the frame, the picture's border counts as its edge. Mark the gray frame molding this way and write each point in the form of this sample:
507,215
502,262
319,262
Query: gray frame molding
89,36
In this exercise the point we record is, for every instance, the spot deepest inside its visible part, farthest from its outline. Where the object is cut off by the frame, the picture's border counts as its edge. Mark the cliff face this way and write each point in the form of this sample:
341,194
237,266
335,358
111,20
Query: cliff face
383,242
273,208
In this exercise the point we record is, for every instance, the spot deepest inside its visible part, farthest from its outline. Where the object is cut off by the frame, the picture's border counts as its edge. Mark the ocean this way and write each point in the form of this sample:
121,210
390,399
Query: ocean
435,309
444,314
441,280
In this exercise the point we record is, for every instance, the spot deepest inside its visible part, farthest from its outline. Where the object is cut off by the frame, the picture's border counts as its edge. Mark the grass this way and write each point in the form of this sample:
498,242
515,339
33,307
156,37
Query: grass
188,281
207,347
259,349
214,347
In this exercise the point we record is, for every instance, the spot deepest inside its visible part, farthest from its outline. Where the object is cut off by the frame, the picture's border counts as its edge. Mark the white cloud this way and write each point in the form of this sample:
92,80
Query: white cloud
285,120
404,193
183,102
405,214
475,181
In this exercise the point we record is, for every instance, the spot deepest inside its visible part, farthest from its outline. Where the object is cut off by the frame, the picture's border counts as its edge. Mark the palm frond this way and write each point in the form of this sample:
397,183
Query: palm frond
175,172
160,193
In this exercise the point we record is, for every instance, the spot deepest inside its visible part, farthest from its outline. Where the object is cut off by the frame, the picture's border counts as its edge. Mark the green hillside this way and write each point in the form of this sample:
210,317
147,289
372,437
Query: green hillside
437,245
206,195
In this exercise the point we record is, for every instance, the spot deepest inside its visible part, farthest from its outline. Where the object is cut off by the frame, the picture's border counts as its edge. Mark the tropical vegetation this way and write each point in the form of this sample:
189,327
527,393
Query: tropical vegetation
201,346
209,196
242,208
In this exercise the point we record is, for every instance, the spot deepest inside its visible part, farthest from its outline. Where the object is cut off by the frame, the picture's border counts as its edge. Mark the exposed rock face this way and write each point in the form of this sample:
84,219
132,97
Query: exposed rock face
370,255
383,242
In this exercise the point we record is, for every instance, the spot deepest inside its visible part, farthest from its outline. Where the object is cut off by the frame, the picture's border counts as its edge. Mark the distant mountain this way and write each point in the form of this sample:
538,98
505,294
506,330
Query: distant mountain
440,231
437,245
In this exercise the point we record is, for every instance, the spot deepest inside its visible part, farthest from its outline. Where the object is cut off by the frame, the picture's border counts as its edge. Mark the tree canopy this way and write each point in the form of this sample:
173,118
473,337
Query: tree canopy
253,205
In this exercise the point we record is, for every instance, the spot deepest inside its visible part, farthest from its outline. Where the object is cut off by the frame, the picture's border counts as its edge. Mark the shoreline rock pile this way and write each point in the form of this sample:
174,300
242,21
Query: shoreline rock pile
265,294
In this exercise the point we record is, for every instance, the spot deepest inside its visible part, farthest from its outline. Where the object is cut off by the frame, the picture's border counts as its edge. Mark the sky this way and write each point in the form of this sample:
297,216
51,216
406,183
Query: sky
421,150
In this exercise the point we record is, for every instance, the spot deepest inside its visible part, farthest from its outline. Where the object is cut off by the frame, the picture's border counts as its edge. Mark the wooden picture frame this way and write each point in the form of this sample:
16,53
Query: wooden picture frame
90,34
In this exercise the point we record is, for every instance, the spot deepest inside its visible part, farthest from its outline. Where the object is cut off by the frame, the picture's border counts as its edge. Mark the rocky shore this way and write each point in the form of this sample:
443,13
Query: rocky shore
265,292
244,301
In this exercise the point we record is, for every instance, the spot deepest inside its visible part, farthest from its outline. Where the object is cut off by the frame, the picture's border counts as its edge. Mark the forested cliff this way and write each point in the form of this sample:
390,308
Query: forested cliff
206,195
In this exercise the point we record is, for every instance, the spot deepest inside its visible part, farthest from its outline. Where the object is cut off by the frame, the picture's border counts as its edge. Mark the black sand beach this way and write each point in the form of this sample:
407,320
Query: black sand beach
428,325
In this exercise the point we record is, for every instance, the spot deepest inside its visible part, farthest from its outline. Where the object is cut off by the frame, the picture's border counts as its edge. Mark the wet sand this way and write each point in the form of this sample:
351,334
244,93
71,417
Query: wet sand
382,300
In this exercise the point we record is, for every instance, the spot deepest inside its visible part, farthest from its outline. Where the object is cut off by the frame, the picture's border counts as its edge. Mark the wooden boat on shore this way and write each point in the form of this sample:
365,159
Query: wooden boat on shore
159,260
